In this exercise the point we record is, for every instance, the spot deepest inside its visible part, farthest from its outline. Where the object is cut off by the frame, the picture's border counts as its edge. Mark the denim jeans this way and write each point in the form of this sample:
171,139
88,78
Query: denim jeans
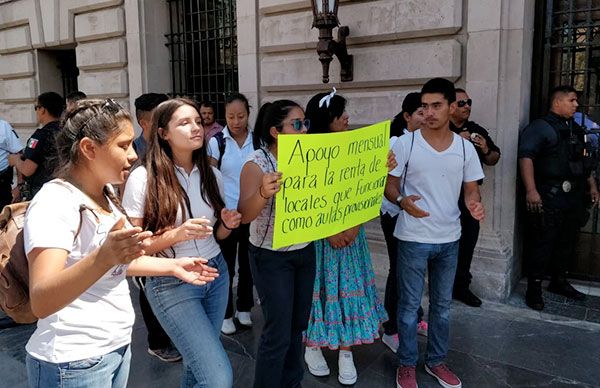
284,281
390,301
108,371
440,261
192,316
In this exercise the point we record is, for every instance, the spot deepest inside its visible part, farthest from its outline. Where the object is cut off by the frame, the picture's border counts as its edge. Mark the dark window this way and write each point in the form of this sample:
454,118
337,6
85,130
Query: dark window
203,46
568,44
67,64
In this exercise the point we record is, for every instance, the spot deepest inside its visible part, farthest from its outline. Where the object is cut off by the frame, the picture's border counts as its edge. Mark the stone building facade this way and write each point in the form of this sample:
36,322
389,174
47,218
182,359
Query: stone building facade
485,46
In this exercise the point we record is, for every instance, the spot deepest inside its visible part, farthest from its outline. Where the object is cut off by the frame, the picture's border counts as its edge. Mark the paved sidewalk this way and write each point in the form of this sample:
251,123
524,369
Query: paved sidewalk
494,346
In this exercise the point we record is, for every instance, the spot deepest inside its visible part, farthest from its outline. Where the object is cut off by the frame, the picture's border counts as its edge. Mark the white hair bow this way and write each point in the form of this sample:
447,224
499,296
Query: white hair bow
327,99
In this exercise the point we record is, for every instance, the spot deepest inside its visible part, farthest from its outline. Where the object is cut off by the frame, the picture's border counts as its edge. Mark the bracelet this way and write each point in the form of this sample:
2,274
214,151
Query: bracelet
225,226
261,194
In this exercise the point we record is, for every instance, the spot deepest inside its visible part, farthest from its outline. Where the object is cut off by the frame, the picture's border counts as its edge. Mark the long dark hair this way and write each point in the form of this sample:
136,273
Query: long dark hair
321,117
411,103
271,114
164,194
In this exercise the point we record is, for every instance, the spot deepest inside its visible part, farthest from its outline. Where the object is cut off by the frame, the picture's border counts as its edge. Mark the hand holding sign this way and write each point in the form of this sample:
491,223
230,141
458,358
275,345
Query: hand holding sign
271,184
408,205
391,161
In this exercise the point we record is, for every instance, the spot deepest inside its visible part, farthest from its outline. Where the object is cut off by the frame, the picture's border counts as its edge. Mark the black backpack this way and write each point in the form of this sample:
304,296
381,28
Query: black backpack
221,142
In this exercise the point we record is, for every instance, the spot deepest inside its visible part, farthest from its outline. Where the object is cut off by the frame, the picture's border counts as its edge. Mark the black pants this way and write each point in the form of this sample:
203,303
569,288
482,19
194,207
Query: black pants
6,178
553,237
157,338
466,247
236,245
390,302
284,281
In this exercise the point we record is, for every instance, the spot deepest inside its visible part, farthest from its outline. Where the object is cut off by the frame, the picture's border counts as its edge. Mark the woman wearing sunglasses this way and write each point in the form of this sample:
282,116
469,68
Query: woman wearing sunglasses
283,277
346,310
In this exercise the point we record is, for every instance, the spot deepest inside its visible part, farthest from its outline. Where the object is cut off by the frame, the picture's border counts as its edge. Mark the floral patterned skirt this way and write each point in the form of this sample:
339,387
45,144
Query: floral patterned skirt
346,309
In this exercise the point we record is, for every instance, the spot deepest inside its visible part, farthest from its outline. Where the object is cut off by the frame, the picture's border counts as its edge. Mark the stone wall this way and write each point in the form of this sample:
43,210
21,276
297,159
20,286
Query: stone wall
96,29
482,45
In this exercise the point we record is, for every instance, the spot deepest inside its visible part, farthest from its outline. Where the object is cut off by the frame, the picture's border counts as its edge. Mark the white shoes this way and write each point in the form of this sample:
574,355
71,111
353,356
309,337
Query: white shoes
228,327
391,341
244,317
347,371
317,365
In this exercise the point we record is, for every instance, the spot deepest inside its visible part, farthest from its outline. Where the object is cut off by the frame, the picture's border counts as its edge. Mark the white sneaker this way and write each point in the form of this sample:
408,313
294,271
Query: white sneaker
347,371
391,341
228,327
317,365
244,317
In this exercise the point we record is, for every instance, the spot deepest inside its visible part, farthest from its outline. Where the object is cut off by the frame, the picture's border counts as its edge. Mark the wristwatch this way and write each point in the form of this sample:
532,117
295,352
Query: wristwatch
398,200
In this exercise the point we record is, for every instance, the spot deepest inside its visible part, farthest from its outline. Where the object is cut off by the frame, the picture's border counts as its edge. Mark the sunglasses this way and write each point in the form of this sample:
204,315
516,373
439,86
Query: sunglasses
36,107
110,106
298,124
462,103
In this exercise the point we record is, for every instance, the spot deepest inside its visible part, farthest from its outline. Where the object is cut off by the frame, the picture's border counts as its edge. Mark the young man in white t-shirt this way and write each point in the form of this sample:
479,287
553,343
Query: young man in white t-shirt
433,164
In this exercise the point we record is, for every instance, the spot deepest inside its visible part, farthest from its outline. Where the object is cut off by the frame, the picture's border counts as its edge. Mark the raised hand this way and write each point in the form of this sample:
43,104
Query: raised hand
231,219
123,245
408,205
194,229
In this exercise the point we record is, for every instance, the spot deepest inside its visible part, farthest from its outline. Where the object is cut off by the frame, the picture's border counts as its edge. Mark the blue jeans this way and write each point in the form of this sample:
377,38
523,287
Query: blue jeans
192,316
413,259
108,371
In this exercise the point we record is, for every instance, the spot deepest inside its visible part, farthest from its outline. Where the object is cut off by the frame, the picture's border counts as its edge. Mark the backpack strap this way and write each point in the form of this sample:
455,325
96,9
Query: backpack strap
221,143
412,142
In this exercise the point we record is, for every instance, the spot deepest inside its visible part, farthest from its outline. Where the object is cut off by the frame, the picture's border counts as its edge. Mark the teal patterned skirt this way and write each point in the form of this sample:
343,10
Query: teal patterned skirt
346,309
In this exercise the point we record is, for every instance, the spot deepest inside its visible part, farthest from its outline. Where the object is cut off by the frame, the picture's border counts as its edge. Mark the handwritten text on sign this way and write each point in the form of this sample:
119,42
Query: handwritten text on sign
331,182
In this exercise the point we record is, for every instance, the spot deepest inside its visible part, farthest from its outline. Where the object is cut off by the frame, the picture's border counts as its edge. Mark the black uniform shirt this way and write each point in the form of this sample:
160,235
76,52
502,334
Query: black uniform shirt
473,127
41,149
541,139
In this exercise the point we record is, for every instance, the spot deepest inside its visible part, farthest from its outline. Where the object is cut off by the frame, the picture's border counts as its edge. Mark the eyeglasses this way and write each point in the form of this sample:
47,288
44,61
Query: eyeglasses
462,103
36,107
298,124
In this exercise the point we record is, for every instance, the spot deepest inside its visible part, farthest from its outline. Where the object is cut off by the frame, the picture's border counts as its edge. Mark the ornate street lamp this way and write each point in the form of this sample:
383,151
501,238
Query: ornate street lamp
325,19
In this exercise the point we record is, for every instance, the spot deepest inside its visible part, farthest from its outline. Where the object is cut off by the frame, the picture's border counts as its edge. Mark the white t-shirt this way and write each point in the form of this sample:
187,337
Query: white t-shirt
436,177
9,143
231,164
261,229
100,320
134,199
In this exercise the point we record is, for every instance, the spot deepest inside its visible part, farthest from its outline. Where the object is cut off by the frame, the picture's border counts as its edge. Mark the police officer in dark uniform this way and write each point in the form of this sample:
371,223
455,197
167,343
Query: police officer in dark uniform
556,171
488,154
38,161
